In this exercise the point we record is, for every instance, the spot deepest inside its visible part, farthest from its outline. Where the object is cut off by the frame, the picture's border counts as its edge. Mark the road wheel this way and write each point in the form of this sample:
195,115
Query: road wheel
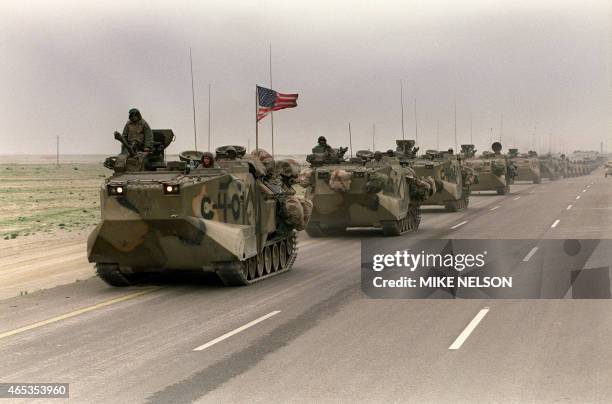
260,264
391,228
111,274
267,260
252,268
275,258
282,250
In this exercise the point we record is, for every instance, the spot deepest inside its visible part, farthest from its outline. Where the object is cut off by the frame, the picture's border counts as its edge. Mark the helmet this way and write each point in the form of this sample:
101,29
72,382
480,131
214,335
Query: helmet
322,139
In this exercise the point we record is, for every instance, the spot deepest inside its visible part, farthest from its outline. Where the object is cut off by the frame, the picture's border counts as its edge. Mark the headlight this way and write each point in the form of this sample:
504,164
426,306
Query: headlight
116,190
171,189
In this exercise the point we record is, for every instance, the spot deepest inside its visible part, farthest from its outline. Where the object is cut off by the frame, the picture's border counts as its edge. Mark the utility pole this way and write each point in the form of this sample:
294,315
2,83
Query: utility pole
373,137
195,135
438,135
501,128
57,151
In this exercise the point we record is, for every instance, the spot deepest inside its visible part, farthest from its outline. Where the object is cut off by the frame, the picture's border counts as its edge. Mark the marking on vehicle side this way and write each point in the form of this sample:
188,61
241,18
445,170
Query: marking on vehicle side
459,224
555,224
76,313
530,254
236,331
468,330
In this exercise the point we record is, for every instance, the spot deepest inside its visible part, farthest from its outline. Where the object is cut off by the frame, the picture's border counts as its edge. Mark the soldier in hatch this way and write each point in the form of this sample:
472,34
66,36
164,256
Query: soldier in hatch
137,132
208,160
322,146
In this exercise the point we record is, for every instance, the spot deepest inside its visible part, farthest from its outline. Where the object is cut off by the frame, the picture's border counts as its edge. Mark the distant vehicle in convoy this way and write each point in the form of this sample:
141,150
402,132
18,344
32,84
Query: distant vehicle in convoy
494,170
452,178
370,190
236,218
527,166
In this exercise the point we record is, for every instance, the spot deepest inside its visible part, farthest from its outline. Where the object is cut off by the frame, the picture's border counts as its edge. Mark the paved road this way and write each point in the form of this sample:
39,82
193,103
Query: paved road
312,335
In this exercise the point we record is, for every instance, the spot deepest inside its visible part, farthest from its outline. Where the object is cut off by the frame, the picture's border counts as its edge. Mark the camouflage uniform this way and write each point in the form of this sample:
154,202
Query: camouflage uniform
138,133
322,146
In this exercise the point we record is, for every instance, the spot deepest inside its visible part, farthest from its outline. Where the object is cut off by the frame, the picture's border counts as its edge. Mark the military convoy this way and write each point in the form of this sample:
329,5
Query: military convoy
370,190
452,178
238,218
495,172
527,166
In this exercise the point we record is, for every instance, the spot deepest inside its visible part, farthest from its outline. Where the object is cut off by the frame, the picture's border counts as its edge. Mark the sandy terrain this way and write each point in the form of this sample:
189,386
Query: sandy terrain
46,213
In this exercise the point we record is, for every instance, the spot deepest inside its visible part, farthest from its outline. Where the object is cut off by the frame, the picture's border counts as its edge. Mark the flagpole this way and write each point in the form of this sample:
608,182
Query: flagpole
350,140
416,124
195,135
256,123
373,137
271,113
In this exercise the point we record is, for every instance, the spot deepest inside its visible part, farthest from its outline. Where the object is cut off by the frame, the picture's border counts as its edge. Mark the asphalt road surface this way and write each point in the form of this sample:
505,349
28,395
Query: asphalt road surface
312,335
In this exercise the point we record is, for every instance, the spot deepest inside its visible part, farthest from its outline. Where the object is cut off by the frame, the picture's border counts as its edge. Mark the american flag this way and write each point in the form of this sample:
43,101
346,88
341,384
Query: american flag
269,100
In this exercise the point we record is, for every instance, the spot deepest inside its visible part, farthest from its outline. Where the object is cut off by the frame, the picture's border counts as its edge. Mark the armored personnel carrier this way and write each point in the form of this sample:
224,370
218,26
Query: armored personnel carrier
495,172
550,167
234,219
452,178
370,190
527,166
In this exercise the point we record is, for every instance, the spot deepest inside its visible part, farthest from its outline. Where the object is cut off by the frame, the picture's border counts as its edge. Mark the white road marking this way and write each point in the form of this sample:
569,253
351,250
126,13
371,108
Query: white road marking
569,206
530,254
584,190
517,198
236,331
468,330
555,224
76,313
459,224
578,197
494,207
588,186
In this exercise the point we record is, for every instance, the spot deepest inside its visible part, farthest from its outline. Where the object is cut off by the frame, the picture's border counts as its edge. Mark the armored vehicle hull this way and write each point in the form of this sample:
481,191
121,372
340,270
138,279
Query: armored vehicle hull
492,175
452,186
381,196
225,219
527,169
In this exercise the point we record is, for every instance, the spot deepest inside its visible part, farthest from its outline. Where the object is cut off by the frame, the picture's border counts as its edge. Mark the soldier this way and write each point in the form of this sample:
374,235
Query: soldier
137,132
208,160
322,146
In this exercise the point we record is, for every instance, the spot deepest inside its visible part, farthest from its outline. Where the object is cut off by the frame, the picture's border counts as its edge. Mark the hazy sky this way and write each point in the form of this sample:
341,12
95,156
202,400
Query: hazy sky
75,68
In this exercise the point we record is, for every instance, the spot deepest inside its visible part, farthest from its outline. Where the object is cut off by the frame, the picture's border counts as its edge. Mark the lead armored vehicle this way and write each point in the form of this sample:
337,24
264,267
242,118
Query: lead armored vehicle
370,190
527,166
452,178
234,219
495,172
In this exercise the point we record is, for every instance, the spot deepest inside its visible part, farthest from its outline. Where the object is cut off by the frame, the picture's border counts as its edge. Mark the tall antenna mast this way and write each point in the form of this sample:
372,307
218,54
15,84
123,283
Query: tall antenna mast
271,113
471,132
455,124
209,101
57,150
438,135
501,128
416,124
402,103
195,132
350,140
